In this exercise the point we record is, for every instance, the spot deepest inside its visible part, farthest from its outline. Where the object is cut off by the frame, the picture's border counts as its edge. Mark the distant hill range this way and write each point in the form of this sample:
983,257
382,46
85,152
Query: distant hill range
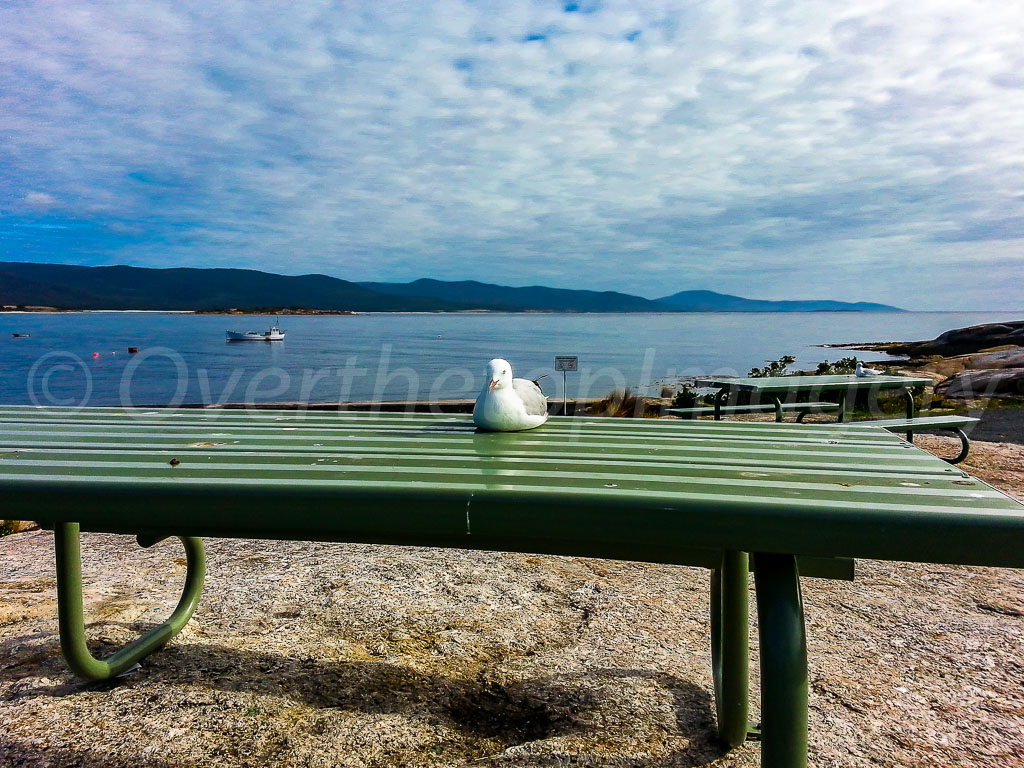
73,287
534,297
709,301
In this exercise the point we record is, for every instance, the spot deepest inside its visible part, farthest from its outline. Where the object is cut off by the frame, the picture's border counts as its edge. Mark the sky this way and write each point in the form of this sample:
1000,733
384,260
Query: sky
866,151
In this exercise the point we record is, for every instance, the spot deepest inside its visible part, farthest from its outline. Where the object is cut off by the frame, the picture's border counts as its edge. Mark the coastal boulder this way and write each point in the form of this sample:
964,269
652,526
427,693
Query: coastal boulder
983,383
1010,357
963,341
944,367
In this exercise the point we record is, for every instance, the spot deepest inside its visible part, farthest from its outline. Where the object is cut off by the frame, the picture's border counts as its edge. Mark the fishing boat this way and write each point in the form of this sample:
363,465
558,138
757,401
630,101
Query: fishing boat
274,333
20,335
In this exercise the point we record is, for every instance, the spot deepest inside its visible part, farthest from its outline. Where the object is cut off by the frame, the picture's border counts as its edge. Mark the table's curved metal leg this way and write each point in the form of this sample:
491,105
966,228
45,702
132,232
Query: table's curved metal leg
730,655
783,662
72,619
719,399
778,407
965,446
908,398
842,406
800,416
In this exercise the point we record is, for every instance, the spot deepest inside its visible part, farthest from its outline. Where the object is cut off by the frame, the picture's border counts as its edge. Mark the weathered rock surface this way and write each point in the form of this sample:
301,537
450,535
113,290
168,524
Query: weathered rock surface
349,655
991,382
1010,357
961,341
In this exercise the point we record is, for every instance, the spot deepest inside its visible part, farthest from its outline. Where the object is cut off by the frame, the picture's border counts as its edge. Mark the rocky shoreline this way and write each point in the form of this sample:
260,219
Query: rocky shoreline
980,361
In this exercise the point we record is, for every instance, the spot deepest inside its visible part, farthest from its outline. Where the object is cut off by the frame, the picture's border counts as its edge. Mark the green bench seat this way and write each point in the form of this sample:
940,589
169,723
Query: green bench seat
950,423
802,409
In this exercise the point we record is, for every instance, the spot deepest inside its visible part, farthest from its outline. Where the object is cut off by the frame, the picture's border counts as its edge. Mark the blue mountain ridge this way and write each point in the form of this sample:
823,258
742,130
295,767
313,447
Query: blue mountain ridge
66,286
541,298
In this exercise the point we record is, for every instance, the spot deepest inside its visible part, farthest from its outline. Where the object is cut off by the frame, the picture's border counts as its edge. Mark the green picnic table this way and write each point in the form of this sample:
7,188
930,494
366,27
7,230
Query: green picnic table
800,499
774,387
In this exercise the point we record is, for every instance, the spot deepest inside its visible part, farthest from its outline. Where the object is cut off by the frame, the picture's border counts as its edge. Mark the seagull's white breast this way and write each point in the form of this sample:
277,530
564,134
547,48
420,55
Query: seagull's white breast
503,410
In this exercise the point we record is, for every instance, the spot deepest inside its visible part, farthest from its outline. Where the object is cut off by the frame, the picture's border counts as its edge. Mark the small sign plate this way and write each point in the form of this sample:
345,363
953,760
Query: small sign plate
567,363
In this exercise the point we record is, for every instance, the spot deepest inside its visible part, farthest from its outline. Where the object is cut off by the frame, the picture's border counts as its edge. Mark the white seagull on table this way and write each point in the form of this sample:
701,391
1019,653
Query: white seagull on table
862,371
507,404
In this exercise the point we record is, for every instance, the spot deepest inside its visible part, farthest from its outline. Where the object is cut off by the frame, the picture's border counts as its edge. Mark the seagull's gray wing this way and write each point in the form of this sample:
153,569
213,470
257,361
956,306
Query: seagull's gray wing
533,397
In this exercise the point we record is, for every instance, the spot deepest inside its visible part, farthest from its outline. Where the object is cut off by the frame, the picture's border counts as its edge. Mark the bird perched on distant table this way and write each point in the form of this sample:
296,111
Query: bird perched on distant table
507,404
862,371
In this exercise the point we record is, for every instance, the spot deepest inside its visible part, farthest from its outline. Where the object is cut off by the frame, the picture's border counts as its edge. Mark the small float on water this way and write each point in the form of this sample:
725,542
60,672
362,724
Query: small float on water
274,333
20,335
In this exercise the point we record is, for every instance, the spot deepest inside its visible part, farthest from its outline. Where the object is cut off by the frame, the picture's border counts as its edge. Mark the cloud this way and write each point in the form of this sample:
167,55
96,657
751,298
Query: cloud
1011,228
609,145
40,200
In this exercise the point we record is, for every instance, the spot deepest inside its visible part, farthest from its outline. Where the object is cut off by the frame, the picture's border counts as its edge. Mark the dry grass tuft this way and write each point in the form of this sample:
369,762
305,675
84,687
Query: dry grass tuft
623,404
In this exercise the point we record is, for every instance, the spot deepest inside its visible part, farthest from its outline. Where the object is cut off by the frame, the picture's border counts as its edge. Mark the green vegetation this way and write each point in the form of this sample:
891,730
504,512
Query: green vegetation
842,365
774,367
684,398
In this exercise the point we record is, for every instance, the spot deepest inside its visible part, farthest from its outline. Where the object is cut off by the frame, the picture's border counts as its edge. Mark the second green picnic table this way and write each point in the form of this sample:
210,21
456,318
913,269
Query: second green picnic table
773,388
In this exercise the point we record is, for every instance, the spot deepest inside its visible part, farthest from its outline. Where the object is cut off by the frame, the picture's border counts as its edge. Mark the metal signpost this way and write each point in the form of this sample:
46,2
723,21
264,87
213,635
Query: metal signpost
565,363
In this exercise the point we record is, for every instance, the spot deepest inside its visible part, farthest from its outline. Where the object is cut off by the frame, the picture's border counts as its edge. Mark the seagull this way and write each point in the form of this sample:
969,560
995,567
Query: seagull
862,371
507,404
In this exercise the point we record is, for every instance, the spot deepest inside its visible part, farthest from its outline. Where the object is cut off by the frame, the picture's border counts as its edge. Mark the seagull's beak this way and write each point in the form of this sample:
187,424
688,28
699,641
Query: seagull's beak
492,385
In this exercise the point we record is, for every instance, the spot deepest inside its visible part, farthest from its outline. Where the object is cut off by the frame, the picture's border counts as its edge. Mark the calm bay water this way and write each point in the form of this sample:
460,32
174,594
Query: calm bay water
184,358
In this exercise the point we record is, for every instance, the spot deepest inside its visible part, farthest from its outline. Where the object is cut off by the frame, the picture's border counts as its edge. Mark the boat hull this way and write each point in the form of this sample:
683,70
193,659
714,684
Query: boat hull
251,336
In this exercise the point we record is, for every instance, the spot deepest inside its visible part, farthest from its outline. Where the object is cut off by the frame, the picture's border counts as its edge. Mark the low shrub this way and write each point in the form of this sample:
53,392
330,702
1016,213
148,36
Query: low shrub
774,367
684,398
842,365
